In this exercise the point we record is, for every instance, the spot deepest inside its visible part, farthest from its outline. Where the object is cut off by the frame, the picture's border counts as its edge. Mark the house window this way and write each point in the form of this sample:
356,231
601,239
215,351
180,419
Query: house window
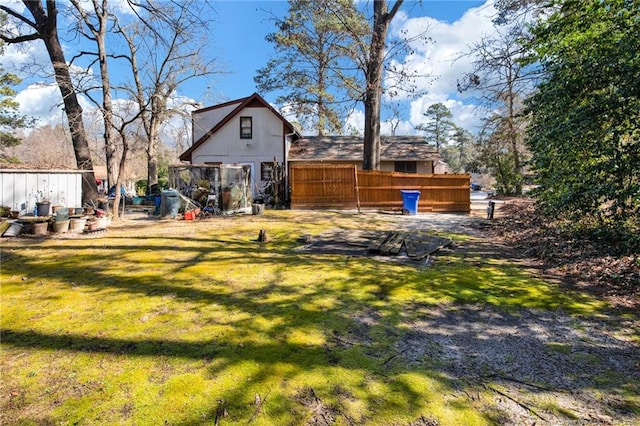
406,167
266,171
246,130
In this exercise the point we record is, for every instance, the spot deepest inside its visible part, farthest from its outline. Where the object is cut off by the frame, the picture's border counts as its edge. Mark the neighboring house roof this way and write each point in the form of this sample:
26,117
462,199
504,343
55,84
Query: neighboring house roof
351,148
30,168
252,101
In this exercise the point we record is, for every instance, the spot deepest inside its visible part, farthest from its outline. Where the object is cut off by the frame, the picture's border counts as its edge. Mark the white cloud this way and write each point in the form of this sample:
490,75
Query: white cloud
42,102
444,57
441,60
444,62
355,122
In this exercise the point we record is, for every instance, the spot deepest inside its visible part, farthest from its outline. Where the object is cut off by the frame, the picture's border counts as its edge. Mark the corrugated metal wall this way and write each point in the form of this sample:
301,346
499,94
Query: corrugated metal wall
341,186
19,188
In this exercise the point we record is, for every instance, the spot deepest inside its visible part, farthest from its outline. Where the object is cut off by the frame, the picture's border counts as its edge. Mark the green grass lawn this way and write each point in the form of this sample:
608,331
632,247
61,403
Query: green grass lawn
189,323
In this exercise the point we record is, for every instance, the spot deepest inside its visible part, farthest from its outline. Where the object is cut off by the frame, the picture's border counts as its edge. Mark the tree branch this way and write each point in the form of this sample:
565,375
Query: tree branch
16,15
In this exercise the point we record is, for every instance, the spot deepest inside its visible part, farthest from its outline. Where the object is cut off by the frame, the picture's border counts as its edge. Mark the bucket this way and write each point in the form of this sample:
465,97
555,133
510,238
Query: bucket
42,209
61,226
62,213
257,208
39,228
190,215
77,225
13,230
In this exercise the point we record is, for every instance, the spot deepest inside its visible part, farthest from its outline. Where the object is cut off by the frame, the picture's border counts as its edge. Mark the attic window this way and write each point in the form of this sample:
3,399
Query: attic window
246,128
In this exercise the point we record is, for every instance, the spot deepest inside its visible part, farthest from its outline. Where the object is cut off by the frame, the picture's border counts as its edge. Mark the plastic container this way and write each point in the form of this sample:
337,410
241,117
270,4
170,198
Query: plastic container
190,215
42,209
170,203
410,201
257,208
62,213
98,223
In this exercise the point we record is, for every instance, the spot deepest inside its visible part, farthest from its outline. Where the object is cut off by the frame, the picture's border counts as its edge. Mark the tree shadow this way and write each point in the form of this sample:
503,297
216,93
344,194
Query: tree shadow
391,325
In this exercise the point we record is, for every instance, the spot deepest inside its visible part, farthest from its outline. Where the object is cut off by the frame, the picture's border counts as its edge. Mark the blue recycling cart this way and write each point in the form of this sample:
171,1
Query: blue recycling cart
410,201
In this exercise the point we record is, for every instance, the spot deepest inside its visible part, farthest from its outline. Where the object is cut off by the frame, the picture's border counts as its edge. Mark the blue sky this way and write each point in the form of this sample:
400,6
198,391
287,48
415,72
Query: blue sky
239,32
241,27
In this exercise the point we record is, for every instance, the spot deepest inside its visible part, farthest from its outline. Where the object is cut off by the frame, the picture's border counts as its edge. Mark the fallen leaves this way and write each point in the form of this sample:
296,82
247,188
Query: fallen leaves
580,262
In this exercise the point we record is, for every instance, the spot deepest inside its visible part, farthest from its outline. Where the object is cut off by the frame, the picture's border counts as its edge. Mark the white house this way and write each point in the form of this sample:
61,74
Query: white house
250,132
245,131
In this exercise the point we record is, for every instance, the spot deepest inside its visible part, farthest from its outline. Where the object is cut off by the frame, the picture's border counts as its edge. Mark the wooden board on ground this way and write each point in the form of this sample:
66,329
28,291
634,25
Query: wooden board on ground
418,246
392,244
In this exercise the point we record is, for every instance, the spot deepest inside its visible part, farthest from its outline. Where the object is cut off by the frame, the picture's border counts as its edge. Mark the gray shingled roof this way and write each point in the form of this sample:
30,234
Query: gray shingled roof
350,148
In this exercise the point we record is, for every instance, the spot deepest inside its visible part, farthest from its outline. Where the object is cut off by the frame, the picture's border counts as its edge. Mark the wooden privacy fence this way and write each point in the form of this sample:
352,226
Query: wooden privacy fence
343,186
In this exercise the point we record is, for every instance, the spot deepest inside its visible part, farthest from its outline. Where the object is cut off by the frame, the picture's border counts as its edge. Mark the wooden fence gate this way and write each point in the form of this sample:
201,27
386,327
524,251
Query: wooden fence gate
346,187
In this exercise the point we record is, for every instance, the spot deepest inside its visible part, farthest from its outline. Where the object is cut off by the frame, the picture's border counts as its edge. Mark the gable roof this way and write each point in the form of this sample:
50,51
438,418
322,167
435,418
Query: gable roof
351,148
252,101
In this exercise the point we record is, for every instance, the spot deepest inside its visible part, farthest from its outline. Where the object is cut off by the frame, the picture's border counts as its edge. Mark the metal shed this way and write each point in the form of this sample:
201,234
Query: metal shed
20,188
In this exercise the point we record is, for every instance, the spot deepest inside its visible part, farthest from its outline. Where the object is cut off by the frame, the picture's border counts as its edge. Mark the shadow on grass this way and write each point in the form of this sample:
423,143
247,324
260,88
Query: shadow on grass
389,326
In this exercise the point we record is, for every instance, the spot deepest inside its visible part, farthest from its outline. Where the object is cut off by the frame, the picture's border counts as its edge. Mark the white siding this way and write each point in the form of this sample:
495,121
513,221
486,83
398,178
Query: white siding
207,120
227,147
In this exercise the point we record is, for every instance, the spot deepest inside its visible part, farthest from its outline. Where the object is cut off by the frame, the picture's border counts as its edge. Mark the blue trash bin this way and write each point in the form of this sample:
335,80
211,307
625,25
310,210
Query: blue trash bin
410,201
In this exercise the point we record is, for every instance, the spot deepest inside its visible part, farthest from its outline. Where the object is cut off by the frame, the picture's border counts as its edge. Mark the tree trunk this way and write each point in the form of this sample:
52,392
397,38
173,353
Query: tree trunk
107,108
513,138
152,155
373,92
48,30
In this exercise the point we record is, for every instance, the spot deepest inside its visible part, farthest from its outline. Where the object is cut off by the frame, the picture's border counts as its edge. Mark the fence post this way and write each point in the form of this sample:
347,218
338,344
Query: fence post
355,171
490,208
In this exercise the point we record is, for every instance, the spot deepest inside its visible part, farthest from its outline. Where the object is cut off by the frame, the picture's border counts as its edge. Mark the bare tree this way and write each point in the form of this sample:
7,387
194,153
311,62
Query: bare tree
167,47
504,83
395,117
45,146
96,22
163,35
359,56
43,25
372,53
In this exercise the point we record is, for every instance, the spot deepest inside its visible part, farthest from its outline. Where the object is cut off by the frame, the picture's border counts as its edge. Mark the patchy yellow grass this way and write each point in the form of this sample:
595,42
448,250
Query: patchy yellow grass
195,322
